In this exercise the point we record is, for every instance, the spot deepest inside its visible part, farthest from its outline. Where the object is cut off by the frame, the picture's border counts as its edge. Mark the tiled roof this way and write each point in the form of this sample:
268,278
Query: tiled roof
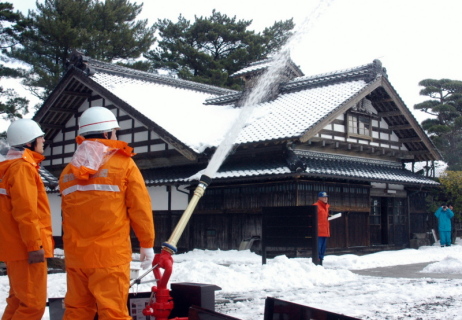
291,114
302,103
315,165
187,174
177,110
261,65
253,67
367,72
322,164
49,180
174,108
224,98
109,68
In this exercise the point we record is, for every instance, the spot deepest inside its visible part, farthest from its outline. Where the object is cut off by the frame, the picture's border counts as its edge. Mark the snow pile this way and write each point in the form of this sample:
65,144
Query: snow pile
449,265
245,283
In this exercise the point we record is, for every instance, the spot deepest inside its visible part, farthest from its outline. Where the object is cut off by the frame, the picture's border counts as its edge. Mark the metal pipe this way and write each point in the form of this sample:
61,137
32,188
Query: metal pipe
170,245
161,303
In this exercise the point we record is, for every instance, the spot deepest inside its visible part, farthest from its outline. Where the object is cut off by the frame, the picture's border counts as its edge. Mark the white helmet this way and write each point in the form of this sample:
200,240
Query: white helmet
23,131
97,120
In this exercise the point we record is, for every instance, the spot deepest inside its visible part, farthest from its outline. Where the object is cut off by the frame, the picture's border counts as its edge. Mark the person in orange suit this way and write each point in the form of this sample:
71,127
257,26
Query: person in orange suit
25,228
103,195
323,224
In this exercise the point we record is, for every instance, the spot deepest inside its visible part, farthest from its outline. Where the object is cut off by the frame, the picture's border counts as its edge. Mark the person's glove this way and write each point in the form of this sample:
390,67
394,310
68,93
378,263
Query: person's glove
146,257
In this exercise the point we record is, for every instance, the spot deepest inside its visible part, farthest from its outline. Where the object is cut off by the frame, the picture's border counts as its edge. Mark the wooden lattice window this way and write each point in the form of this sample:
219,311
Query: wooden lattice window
376,212
359,126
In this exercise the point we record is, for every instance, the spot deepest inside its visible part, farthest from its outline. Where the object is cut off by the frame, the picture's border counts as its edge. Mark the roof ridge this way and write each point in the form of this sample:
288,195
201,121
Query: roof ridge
224,99
263,64
152,77
367,72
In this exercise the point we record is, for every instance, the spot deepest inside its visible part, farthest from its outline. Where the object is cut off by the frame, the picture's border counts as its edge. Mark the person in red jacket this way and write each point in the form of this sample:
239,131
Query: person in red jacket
25,228
323,224
103,196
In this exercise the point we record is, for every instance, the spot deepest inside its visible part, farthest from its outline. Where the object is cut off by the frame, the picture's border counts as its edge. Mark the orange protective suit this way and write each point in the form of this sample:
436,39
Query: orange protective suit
323,222
99,207
25,226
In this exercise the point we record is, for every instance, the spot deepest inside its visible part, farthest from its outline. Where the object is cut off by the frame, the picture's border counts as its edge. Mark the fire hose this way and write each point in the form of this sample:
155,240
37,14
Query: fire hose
161,303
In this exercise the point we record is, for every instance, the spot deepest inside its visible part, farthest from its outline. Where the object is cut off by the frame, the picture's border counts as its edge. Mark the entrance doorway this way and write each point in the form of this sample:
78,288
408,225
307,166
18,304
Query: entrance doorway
388,221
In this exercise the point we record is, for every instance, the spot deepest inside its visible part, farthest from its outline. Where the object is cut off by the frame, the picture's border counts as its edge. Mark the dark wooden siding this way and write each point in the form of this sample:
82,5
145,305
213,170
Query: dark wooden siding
421,219
226,215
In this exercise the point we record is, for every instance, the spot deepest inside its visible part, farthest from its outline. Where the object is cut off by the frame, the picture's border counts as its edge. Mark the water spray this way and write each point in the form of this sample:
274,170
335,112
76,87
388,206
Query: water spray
161,303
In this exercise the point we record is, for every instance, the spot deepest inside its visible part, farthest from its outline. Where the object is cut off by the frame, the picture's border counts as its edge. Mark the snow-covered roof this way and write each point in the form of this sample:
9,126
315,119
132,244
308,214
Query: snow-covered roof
183,114
291,114
194,117
179,111
49,180
253,67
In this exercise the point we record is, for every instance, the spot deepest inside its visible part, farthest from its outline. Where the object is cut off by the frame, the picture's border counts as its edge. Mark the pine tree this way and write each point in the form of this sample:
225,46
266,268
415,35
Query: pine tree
212,48
104,30
11,105
445,127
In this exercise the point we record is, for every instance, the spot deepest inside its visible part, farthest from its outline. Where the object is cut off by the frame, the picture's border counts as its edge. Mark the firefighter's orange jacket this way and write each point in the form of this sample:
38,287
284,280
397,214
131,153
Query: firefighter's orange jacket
323,222
25,218
99,209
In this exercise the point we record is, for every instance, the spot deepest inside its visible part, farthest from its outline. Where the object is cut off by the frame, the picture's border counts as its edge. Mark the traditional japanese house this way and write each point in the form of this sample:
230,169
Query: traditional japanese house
346,132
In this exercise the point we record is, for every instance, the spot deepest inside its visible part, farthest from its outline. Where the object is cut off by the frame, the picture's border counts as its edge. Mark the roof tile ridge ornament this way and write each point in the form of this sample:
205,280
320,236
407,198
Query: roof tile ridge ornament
294,162
376,70
80,62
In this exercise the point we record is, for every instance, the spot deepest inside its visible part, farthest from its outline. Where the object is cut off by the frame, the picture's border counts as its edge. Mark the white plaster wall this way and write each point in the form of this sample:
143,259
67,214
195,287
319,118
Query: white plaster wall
378,185
55,206
159,201
159,198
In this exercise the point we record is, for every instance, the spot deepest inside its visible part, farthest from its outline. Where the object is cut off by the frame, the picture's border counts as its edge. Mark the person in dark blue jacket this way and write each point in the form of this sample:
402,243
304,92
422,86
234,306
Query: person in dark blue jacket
444,215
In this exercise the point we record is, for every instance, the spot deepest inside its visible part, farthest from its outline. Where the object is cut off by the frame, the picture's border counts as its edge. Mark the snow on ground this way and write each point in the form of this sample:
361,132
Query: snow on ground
245,283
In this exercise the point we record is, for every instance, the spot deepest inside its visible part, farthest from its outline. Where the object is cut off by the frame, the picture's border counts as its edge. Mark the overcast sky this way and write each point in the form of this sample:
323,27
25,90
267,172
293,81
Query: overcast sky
414,39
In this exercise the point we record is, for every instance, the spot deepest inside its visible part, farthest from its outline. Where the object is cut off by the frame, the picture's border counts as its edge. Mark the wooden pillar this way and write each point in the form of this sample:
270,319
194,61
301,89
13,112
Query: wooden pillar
347,237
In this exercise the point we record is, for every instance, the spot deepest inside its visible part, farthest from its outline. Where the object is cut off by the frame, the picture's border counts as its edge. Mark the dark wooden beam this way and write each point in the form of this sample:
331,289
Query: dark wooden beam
77,94
62,110
419,152
401,127
383,100
52,126
390,113
413,139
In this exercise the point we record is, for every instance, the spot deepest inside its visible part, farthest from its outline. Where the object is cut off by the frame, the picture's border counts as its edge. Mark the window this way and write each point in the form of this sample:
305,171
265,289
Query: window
376,212
359,126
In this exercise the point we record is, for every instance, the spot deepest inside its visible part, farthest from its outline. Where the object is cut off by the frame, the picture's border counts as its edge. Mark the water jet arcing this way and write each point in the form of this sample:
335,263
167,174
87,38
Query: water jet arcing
264,84
161,304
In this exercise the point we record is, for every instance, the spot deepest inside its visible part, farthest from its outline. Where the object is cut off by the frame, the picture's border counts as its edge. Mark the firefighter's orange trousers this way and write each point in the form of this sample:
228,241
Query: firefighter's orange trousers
28,290
97,290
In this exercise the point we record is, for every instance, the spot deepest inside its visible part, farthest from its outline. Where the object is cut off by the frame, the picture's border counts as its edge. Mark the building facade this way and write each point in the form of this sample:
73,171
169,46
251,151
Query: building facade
347,132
